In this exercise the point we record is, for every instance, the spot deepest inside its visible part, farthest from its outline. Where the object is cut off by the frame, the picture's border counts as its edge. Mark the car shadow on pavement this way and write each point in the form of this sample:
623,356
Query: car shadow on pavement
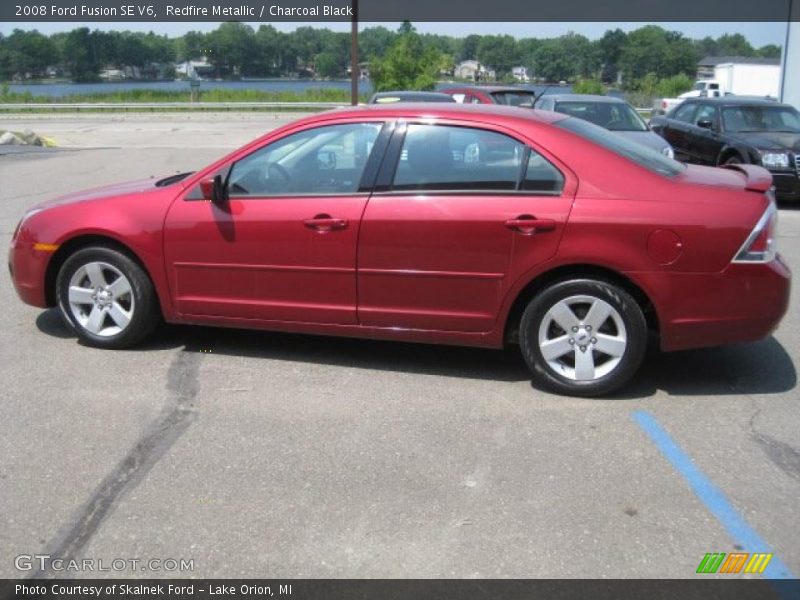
763,367
757,368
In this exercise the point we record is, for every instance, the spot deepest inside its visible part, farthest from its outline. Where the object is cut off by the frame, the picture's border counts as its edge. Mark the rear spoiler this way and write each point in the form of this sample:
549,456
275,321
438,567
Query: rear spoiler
757,179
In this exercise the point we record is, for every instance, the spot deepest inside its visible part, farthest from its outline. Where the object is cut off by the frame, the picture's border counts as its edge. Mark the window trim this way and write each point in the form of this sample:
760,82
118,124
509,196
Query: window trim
383,184
368,175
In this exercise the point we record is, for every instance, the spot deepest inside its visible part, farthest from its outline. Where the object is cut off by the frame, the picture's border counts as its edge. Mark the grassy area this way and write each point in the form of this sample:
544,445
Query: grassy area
211,95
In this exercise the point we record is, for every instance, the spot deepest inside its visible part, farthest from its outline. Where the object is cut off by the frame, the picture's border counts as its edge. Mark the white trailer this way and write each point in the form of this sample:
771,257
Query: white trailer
744,79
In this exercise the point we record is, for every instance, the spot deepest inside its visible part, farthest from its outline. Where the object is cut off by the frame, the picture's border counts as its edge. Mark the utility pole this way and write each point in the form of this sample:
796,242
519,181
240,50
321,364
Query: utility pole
355,71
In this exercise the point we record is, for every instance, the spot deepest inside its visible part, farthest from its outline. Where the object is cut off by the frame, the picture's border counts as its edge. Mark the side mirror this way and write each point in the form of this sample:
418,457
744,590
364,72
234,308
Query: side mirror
213,189
705,124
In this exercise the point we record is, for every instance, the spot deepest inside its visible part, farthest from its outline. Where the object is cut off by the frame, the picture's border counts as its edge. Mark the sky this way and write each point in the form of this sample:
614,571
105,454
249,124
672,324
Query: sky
758,34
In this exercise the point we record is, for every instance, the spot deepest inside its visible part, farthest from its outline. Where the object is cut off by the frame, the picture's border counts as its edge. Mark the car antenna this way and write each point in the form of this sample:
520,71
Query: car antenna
544,91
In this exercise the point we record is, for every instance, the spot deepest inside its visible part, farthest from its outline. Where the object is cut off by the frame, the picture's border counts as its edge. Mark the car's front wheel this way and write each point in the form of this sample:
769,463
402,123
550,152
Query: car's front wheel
106,297
583,337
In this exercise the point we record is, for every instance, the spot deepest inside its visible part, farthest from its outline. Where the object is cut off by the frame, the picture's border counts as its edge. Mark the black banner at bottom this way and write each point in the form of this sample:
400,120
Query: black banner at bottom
399,589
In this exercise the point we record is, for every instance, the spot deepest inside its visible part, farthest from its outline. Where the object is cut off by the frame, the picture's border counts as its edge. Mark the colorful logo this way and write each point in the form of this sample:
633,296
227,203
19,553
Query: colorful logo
736,562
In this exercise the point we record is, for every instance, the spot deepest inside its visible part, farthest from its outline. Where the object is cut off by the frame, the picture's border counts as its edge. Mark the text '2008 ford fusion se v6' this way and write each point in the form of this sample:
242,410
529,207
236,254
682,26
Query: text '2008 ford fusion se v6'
437,223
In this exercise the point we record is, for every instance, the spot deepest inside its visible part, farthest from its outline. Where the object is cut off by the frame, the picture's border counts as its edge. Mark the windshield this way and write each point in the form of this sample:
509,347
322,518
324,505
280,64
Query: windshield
699,86
641,155
739,119
616,116
514,98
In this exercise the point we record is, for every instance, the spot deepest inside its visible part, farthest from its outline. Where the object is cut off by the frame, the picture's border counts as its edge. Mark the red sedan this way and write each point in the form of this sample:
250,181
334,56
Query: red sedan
473,225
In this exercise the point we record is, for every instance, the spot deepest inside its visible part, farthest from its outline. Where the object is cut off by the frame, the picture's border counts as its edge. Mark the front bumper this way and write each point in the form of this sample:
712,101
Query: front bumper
28,268
743,303
787,185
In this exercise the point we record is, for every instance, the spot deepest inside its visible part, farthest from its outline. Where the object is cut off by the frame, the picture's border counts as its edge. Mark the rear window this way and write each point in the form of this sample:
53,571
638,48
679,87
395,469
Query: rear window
638,153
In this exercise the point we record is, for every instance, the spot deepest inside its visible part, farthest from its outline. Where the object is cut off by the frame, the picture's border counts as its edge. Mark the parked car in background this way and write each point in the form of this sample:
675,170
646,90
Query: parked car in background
491,94
394,97
735,129
381,222
612,113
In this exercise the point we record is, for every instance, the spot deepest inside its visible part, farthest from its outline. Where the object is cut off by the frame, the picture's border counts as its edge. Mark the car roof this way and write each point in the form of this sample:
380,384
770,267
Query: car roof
586,98
479,113
412,96
741,101
490,89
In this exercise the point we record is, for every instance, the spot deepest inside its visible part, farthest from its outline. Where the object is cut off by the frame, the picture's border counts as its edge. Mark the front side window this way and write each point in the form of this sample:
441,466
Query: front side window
323,160
705,113
685,112
448,158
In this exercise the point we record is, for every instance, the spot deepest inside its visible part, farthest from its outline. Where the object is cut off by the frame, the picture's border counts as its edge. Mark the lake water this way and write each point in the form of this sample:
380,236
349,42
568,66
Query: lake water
271,85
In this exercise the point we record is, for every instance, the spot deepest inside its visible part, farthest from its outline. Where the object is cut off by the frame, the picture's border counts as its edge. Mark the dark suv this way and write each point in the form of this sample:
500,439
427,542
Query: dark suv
731,129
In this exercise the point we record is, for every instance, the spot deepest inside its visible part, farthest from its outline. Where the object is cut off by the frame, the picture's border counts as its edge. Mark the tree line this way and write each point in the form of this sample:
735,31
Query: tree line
636,58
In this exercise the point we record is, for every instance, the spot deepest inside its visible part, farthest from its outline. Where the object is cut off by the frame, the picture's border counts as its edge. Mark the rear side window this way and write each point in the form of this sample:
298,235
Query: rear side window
446,158
633,151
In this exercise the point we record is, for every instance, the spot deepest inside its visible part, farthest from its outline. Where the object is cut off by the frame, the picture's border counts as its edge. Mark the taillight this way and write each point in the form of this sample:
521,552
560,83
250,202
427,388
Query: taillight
759,247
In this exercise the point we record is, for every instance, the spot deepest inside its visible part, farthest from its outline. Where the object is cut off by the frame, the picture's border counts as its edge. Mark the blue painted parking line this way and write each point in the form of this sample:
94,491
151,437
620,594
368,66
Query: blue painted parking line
711,495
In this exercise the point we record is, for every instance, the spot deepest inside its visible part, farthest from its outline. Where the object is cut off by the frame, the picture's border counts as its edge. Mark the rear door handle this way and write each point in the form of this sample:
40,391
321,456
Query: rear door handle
324,223
528,224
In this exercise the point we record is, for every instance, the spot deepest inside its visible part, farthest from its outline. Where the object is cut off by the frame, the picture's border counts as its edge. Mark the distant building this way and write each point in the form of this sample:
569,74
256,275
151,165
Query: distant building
110,74
194,69
472,69
705,66
521,74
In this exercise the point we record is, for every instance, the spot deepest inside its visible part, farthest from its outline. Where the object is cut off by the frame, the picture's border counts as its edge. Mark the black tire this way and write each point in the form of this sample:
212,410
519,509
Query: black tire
141,299
628,312
733,160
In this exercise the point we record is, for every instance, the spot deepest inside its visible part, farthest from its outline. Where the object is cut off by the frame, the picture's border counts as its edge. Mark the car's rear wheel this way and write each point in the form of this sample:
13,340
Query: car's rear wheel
106,297
583,337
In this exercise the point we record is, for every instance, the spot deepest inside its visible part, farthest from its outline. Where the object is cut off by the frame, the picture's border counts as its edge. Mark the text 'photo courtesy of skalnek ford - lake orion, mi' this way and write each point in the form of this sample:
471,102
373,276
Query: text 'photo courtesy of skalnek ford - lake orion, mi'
376,300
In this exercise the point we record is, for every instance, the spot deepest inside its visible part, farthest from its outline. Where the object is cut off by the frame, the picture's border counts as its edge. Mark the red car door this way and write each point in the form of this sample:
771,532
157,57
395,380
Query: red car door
283,247
457,214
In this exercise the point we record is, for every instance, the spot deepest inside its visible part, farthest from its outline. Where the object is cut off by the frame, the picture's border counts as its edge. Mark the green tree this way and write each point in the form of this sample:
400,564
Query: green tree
651,49
498,52
734,44
769,51
407,64
588,86
674,86
553,63
609,48
469,47
30,52
81,54
374,42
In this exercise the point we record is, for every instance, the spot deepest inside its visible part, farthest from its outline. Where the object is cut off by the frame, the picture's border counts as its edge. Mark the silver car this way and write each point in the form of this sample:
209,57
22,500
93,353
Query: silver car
612,113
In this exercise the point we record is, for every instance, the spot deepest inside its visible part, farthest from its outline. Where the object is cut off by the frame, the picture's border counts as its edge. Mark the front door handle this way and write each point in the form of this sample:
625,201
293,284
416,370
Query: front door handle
324,223
528,224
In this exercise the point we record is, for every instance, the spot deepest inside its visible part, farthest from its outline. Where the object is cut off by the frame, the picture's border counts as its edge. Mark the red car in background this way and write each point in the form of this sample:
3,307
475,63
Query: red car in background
442,223
491,94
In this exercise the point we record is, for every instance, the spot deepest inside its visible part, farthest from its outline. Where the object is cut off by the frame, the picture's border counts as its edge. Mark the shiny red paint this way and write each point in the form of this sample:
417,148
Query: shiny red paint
432,267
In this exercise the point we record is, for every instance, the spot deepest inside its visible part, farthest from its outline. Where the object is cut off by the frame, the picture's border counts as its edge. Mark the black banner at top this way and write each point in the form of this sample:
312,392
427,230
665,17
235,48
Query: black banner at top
371,11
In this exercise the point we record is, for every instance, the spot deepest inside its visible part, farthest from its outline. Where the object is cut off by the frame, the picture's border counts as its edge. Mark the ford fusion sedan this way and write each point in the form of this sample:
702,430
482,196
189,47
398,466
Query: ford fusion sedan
439,223
606,111
735,129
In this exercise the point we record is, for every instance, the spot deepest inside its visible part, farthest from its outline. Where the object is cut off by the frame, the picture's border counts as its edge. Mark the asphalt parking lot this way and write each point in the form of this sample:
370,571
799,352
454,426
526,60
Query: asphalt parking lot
272,455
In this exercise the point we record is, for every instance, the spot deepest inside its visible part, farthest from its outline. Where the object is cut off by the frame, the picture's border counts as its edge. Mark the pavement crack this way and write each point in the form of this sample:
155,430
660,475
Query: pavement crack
176,416
785,456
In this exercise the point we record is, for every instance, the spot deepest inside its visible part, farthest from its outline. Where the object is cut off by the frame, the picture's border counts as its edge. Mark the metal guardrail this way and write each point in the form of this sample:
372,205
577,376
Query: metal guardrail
152,106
